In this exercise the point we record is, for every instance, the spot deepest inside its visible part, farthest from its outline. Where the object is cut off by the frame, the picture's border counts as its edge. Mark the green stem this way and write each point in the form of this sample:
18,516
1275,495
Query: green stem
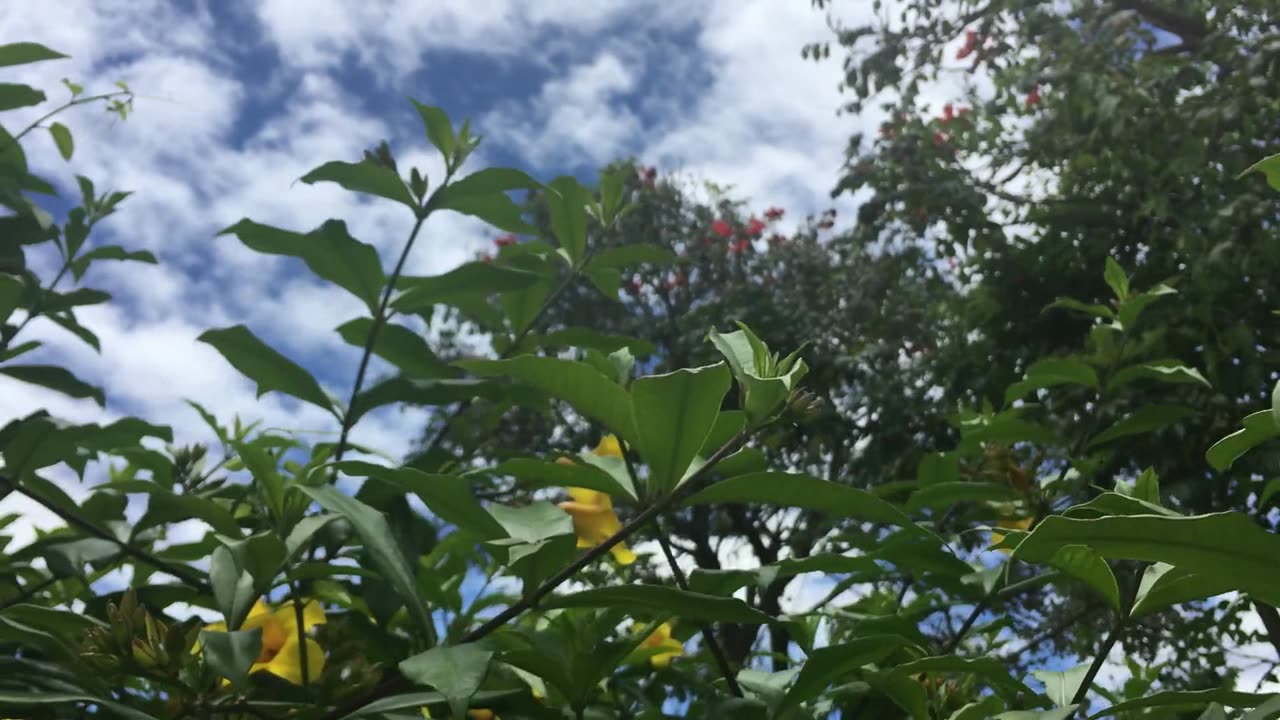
67,106
398,683
299,619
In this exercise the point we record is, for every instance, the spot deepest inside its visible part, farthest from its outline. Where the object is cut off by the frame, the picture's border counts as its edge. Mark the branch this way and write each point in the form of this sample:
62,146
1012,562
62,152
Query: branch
1271,621
708,633
398,683
1192,31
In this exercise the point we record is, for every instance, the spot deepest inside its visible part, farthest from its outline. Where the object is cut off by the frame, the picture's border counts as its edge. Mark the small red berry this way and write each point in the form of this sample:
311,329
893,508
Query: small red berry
505,241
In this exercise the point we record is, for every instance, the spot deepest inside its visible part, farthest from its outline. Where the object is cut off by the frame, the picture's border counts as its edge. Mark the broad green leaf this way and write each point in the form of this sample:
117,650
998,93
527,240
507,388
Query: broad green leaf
265,366
631,254
1116,279
673,415
1222,547
586,338
906,692
109,252
1067,303
1144,420
448,496
1258,428
399,346
62,138
523,307
1062,713
21,53
329,251
764,390
1111,503
366,177
1268,166
457,672
539,473
1061,686
1275,404
400,389
415,701
577,383
662,601
1131,308
1165,371
1164,585
20,699
1082,563
380,543
55,378
1188,700
994,671
14,96
726,582
439,129
936,468
836,663
11,289
532,523
808,492
1268,710
483,194
470,280
983,709
261,555
568,209
231,654
1050,373
300,537
611,190
947,494
233,589
165,506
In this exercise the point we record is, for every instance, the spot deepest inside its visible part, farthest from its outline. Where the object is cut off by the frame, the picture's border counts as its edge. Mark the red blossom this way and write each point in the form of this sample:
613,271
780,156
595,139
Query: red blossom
486,257
721,228
948,113
740,245
505,241
939,138
774,213
633,286
1033,97
970,44
754,227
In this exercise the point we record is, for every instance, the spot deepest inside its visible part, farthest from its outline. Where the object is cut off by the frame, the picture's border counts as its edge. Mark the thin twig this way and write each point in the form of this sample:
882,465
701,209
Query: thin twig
299,618
398,683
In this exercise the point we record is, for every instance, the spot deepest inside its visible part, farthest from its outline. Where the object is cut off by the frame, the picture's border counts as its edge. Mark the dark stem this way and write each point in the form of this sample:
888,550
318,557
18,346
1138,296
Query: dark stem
181,572
1101,658
29,592
708,633
298,618
967,625
398,683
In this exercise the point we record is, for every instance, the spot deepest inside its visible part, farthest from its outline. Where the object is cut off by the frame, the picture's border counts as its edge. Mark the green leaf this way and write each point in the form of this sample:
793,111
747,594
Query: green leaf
1144,420
1082,563
1268,710
938,468
438,127
1116,279
1258,428
1275,404
763,388
165,507
483,195
1227,547
21,53
399,346
11,291
1067,303
568,209
808,492
726,582
380,543
109,252
946,494
532,523
1111,503
605,343
611,189
904,691
329,251
18,699
367,177
836,663
262,364
55,378
1132,307
448,496
662,601
995,671
62,138
1268,166
231,654
457,672
632,254
300,537
536,473
1165,371
673,415
584,387
1052,372
1061,686
1164,585
400,389
467,281
14,96
523,306
1187,700
1062,713
983,709
233,589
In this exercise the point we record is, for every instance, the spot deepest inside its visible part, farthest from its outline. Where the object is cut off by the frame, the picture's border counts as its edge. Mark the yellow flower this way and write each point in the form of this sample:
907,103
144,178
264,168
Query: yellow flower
660,639
280,654
1018,524
594,520
480,714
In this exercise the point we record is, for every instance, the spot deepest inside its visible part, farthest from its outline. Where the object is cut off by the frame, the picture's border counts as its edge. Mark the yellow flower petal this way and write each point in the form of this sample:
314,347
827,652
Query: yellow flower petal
622,554
592,498
609,447
288,662
672,649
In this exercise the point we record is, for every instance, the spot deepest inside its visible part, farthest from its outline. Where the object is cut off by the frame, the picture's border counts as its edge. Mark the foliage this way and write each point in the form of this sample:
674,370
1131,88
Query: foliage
530,588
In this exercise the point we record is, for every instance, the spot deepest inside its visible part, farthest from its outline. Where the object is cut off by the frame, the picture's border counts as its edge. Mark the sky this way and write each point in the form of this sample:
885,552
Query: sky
237,99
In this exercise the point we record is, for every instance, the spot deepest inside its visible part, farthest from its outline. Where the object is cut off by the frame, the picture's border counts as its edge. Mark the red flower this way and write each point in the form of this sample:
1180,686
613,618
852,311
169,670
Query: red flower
647,175
486,257
633,286
948,113
505,241
970,44
1033,97
754,227
939,138
773,213
740,245
721,228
